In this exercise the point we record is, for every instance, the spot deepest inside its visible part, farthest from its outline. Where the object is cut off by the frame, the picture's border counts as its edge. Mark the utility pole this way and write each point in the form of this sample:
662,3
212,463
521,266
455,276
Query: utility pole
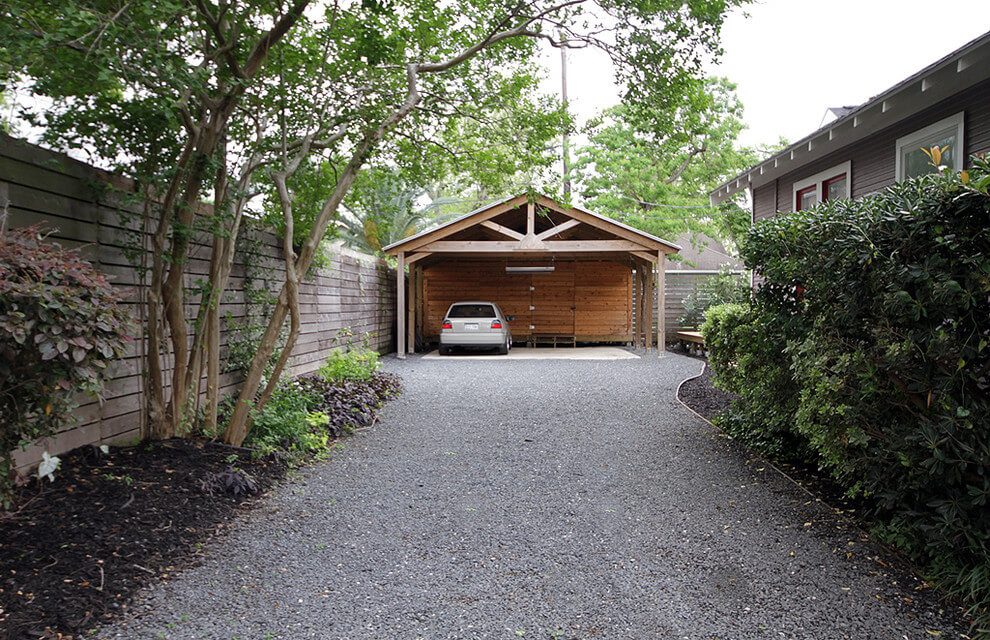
563,95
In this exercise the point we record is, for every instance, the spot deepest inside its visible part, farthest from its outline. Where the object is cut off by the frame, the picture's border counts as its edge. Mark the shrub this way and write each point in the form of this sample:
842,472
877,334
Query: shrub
281,425
349,403
748,359
304,413
723,287
880,313
358,363
61,325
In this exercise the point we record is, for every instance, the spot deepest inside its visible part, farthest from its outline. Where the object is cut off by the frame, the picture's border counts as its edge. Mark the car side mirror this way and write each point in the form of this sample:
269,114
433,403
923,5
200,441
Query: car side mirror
510,318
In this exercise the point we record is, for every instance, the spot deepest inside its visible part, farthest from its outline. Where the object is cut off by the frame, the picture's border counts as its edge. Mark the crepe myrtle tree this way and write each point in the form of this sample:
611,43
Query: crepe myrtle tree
199,98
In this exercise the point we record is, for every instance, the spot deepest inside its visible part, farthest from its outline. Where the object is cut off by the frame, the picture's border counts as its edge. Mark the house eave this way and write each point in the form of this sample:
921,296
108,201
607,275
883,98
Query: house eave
954,73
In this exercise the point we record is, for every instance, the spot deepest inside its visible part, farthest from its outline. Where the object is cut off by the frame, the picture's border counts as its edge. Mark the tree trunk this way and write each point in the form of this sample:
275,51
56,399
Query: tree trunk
237,428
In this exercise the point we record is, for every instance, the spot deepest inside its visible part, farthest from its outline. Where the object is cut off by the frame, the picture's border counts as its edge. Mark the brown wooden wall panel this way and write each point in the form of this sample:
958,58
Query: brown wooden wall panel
354,292
591,299
603,299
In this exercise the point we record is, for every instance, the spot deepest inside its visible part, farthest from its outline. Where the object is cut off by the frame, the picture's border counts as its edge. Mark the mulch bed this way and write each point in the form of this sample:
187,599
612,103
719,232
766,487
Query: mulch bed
78,548
701,395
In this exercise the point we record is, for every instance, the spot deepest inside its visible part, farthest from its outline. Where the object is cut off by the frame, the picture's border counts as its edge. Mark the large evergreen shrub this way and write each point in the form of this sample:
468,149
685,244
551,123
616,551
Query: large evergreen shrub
874,315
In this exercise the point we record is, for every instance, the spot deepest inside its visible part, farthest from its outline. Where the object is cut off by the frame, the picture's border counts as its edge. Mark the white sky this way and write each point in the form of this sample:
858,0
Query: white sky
792,59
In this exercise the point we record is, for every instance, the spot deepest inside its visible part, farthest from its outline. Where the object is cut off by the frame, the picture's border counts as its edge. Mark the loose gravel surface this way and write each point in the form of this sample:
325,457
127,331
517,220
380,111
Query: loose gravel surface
541,499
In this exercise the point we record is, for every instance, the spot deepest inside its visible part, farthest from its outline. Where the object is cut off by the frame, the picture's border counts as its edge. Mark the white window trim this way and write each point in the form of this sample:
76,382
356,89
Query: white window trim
820,177
918,137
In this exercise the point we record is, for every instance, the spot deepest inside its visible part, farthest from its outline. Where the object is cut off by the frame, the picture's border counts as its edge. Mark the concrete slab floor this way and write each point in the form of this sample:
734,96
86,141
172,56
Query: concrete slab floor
541,353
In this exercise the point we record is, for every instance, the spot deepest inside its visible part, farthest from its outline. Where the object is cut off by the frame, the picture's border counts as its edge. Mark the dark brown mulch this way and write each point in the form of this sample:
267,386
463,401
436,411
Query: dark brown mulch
701,395
79,548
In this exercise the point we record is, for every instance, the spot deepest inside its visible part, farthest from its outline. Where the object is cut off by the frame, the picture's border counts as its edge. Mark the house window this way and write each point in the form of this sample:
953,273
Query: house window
832,184
947,135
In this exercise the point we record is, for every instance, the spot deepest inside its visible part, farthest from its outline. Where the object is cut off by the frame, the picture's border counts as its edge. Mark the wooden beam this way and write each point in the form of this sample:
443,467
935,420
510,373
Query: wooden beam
421,302
638,303
606,225
530,218
557,246
505,231
416,257
661,297
400,306
560,228
459,225
648,257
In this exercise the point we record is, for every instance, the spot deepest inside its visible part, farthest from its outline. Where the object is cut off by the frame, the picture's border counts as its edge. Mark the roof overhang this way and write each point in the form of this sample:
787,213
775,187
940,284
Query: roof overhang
954,73
532,226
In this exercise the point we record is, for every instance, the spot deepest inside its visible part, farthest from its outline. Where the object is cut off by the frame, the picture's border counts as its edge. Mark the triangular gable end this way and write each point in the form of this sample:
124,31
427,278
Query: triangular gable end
528,226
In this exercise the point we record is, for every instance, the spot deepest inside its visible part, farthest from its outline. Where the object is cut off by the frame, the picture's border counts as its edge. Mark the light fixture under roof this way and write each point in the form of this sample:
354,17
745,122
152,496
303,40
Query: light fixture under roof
529,269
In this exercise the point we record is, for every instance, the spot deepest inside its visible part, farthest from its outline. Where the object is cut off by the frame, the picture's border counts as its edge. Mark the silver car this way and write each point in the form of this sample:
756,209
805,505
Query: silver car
475,324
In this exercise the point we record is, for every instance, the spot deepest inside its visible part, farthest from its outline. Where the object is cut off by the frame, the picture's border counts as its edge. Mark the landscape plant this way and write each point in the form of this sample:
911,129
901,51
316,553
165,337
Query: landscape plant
305,413
870,332
723,287
62,325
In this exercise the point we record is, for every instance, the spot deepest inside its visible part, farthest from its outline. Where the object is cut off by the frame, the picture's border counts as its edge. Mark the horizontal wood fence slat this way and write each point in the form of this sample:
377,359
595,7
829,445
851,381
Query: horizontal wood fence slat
351,291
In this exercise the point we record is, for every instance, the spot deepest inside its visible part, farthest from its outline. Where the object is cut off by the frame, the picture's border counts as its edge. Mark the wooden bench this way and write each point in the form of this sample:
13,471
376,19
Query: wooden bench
551,339
691,340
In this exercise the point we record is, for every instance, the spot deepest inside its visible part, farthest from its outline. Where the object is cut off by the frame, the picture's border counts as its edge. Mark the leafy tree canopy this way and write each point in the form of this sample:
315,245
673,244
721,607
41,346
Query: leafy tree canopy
652,168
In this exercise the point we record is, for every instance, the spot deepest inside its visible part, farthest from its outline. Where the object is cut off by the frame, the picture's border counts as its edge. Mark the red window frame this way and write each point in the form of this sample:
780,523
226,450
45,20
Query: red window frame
800,195
830,181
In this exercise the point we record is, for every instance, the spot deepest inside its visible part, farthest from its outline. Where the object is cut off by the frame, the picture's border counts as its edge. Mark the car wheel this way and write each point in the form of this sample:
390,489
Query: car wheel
444,351
504,349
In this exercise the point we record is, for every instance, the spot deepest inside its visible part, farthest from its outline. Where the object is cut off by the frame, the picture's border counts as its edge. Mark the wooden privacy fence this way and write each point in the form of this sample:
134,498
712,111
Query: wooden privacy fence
350,294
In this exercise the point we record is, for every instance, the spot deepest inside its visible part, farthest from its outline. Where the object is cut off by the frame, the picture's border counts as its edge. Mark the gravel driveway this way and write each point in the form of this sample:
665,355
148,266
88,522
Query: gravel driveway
540,499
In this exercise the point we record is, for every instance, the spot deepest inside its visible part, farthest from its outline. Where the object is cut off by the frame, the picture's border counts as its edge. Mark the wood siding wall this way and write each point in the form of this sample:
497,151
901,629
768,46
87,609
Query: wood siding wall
873,158
590,300
352,291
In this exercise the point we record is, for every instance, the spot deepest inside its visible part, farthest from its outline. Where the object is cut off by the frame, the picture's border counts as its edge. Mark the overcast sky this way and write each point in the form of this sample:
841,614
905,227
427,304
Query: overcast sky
792,59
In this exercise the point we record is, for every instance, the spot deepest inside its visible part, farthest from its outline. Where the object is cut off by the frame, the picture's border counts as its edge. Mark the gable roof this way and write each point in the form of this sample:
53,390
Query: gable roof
558,229
701,252
961,69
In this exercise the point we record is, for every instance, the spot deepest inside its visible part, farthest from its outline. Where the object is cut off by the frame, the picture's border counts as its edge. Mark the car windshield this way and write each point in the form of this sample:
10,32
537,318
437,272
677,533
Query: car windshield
471,311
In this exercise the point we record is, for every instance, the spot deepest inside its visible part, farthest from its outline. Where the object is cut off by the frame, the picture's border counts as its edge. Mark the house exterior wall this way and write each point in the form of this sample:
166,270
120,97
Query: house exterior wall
873,158
591,300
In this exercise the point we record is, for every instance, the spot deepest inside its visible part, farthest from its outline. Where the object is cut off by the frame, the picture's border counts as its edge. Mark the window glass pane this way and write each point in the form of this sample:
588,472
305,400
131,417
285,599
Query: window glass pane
915,162
836,189
471,311
807,198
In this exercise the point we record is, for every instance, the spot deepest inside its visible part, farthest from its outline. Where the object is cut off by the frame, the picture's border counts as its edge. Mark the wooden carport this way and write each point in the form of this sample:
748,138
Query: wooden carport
560,271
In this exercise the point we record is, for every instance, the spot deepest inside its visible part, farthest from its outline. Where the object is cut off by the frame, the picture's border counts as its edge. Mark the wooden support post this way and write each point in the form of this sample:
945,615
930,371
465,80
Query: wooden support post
648,307
638,304
413,285
661,304
400,306
530,219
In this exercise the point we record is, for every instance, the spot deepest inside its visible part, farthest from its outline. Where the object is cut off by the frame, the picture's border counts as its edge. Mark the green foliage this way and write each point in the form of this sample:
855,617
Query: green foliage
877,312
724,287
305,413
61,325
359,363
747,359
283,424
653,167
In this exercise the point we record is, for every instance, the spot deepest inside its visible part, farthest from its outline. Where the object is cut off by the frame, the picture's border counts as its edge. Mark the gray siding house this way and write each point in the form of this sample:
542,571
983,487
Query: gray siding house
879,142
